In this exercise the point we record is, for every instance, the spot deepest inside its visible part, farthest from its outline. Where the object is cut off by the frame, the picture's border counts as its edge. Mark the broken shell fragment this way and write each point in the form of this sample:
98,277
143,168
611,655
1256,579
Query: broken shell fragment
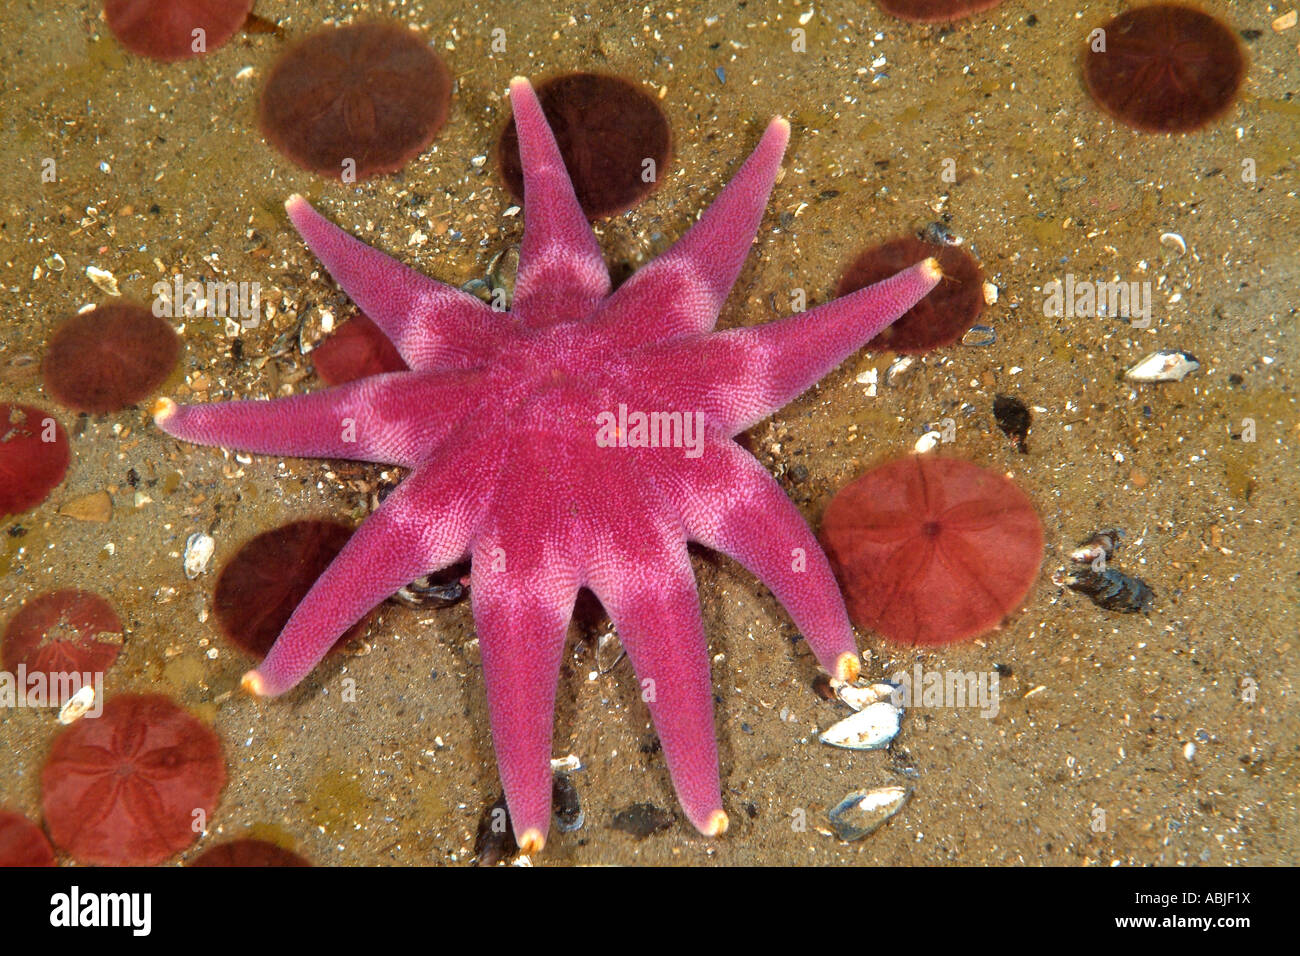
103,280
1166,365
1111,589
568,809
863,812
1175,240
569,763
900,367
928,442
501,274
1102,545
872,728
940,235
478,287
495,840
440,589
979,336
198,553
77,705
859,696
609,651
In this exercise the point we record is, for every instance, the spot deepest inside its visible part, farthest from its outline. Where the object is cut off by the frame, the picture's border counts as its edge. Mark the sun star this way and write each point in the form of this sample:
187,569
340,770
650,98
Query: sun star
528,446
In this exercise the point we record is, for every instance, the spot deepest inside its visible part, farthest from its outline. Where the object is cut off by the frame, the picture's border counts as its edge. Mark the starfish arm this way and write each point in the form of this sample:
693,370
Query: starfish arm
642,576
738,377
562,275
682,291
728,502
431,324
423,526
397,418
522,617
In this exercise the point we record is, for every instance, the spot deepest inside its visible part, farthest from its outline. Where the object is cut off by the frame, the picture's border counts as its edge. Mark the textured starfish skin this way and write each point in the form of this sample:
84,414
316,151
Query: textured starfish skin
498,421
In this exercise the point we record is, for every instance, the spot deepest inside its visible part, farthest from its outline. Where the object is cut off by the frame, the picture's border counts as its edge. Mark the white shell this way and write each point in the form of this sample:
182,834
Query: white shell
198,552
103,280
863,812
900,367
858,696
928,442
1167,365
871,728
570,763
77,705
1175,240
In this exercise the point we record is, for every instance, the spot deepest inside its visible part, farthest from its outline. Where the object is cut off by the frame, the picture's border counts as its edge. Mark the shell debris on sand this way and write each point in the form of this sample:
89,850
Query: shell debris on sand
1174,241
874,727
568,806
1110,590
1099,548
928,442
199,548
103,280
1108,587
1166,365
77,705
940,235
441,589
979,336
569,763
863,812
858,695
899,368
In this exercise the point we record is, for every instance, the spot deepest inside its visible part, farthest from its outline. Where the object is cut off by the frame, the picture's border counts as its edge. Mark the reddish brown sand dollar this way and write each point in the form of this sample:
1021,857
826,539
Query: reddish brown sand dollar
175,29
246,853
356,349
22,843
942,317
1164,68
613,136
33,457
109,358
355,101
935,11
932,550
63,633
133,786
266,579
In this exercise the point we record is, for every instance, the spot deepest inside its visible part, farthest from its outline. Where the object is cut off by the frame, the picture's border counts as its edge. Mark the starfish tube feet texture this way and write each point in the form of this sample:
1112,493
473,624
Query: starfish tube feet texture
524,456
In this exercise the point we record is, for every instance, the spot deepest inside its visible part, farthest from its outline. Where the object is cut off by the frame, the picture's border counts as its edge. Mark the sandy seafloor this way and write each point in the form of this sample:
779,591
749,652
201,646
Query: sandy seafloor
1098,707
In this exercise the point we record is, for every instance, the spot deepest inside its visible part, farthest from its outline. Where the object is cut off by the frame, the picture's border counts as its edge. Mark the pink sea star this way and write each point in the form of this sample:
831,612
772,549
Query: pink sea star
519,458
